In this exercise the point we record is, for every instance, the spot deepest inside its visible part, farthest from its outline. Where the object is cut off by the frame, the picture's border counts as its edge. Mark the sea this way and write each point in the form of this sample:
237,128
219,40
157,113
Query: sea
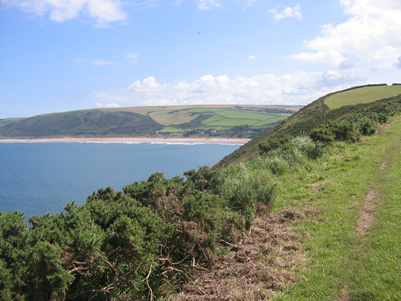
39,178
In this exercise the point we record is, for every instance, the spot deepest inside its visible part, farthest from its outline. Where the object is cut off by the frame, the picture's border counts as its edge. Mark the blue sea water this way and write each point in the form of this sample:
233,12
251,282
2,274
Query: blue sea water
36,178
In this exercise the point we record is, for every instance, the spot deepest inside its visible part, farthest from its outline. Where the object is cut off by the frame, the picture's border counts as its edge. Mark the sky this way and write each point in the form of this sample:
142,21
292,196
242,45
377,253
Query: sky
63,55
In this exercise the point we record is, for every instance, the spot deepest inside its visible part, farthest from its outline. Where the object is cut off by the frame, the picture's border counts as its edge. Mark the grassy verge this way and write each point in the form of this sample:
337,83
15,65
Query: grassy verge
337,256
376,268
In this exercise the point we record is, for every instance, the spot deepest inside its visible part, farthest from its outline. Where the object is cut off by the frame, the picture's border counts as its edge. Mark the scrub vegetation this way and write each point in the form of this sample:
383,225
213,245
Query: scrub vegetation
313,116
310,217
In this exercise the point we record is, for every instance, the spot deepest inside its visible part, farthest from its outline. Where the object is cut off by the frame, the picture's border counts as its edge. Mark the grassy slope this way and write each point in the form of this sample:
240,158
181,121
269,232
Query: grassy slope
338,256
311,116
301,122
334,255
361,95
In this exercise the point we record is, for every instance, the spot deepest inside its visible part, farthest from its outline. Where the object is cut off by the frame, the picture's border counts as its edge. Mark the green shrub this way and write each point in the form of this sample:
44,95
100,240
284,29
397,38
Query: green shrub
366,126
322,134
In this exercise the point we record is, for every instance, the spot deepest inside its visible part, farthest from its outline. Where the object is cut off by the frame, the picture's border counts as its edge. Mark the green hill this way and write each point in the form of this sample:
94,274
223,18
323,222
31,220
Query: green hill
336,106
88,123
195,121
359,95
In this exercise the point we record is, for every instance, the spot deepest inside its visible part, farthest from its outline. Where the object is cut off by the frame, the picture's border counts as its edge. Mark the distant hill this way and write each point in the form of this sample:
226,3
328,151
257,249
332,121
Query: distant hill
88,123
176,121
332,107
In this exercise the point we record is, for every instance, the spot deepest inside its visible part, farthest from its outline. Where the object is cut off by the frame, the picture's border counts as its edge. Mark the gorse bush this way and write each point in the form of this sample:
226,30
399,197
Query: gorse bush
366,126
348,130
141,242
133,244
271,144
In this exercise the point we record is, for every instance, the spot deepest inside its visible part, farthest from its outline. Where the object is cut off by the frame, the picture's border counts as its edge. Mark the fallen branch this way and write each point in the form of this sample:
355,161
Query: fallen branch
236,248
204,254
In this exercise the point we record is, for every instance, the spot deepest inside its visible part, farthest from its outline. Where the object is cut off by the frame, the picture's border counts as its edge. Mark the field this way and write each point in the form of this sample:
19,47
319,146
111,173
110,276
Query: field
236,121
364,94
231,116
214,120
218,119
168,118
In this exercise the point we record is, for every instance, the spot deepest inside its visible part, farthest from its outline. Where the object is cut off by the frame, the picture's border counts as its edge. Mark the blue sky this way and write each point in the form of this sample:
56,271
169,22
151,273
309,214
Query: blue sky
61,55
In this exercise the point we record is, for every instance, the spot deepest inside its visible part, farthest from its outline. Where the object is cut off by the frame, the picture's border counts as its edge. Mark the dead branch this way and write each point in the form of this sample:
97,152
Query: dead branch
147,283
204,254
78,270
105,290
112,267
235,248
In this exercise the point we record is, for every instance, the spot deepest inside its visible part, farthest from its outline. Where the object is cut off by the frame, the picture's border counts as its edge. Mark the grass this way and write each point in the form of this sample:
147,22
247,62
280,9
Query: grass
168,118
365,94
140,110
211,110
232,114
273,119
230,122
170,129
376,267
337,255
224,117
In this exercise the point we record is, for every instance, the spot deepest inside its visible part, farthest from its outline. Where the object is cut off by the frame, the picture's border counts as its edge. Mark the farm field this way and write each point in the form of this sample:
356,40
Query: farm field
229,121
225,121
359,95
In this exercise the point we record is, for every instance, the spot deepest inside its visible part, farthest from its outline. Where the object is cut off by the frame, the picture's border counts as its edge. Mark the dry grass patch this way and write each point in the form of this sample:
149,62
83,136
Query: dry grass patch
262,263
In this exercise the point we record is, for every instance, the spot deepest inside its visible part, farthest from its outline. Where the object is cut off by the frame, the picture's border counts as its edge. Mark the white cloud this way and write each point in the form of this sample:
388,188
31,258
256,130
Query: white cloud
109,105
177,2
251,57
370,34
398,63
290,89
208,4
133,57
102,63
103,11
328,56
287,12
247,2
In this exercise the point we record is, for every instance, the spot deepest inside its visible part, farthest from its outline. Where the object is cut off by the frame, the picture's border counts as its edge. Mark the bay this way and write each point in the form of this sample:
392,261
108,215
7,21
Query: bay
39,178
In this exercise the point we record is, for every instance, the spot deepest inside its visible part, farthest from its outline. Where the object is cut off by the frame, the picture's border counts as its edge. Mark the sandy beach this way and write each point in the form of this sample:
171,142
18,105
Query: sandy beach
132,140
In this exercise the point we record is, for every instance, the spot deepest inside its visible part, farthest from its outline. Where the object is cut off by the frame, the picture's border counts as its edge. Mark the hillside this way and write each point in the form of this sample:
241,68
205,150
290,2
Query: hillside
364,94
343,105
314,218
88,123
178,121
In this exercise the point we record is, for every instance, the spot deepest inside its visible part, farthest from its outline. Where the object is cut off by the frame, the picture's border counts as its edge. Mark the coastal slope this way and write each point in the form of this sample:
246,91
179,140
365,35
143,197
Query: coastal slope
228,121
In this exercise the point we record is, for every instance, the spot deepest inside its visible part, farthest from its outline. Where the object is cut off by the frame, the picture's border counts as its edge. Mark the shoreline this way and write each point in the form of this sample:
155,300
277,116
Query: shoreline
129,140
